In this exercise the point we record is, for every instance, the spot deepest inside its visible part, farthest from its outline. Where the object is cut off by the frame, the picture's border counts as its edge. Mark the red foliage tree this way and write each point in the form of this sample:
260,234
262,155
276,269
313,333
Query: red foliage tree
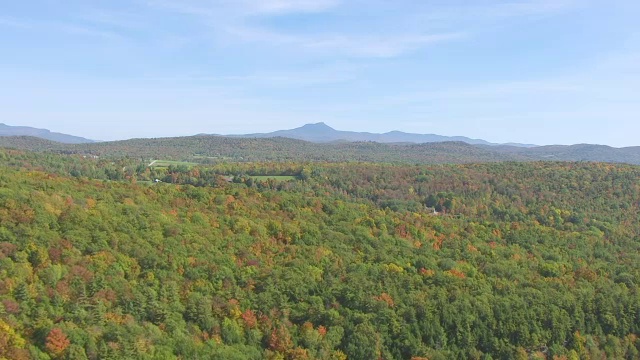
57,342
250,319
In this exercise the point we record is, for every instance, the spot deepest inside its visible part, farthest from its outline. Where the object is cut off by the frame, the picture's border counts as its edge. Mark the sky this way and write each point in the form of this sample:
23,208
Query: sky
528,71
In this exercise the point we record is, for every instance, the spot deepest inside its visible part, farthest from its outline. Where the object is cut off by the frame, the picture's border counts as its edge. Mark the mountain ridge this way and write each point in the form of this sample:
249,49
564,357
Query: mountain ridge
323,133
8,130
280,146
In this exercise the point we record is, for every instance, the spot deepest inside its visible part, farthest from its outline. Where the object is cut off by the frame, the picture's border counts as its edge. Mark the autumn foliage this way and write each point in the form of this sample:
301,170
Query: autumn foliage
57,342
333,261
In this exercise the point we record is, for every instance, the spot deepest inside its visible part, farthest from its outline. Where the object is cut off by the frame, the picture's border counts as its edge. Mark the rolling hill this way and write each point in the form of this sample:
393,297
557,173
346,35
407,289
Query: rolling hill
323,143
584,152
214,149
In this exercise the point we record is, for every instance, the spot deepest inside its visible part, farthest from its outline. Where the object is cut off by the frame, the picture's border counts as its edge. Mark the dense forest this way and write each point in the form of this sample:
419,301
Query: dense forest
214,149
112,259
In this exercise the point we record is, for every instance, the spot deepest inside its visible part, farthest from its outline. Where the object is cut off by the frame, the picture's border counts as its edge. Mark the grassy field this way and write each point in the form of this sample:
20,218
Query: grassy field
274,177
220,158
167,163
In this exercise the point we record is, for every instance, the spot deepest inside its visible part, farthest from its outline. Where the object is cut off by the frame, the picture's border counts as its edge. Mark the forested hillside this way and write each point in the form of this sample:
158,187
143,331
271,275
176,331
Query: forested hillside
346,261
212,149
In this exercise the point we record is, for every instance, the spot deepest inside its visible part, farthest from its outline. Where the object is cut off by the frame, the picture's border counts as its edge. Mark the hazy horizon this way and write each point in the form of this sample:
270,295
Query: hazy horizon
527,71
301,125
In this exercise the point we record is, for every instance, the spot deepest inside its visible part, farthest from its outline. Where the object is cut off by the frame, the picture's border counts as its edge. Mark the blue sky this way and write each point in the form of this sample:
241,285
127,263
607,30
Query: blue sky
532,71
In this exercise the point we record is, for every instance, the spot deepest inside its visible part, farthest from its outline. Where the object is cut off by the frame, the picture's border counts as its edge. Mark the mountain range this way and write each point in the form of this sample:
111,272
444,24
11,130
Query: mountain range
7,130
323,133
314,142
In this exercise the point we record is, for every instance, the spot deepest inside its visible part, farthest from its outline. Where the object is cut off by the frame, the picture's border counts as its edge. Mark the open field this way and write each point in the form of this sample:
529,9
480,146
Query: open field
167,163
219,158
274,177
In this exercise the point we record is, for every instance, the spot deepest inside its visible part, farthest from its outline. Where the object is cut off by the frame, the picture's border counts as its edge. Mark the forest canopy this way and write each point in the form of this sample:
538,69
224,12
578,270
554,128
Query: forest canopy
113,259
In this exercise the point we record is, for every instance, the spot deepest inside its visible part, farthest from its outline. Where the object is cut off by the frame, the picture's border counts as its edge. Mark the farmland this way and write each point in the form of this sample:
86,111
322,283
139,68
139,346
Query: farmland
167,163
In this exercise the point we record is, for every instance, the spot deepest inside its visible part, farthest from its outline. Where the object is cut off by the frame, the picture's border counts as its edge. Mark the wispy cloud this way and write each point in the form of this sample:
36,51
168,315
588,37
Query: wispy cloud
289,6
380,47
59,27
196,8
509,9
474,18
529,8
321,75
236,20
244,7
353,45
415,30
85,31
112,19
487,92
132,26
15,23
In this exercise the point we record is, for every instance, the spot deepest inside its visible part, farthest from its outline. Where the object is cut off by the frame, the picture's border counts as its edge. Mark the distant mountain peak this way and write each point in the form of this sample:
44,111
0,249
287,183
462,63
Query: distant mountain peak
318,124
316,127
